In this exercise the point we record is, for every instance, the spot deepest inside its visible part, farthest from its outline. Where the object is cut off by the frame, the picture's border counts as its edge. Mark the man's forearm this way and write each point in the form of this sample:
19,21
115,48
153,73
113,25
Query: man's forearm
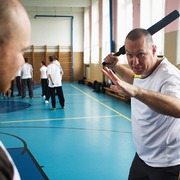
161,103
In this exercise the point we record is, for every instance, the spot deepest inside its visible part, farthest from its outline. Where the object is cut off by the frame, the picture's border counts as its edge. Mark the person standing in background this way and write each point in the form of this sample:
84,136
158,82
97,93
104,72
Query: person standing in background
54,74
44,79
26,76
18,82
10,92
56,61
15,34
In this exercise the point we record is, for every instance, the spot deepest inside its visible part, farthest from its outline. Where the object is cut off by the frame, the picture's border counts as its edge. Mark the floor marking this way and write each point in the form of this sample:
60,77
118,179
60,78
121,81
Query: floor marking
61,127
56,119
101,103
73,118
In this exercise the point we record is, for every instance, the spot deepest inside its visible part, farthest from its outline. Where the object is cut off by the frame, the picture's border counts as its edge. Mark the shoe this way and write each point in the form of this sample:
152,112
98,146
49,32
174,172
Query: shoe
62,107
53,108
46,101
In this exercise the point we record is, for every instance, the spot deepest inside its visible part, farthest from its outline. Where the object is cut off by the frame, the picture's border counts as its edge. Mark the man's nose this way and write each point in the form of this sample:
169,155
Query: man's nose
135,60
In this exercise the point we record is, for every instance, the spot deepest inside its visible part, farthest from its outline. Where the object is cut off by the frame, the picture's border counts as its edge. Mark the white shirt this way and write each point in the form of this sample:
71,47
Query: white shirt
58,63
16,173
43,71
156,136
18,73
26,71
54,71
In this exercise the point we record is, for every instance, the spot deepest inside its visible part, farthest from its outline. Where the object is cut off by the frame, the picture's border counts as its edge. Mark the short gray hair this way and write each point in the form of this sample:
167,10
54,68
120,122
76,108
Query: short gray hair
137,33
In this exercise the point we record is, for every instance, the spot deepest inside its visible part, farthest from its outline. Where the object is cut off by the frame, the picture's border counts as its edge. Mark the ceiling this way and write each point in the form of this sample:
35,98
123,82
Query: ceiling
54,6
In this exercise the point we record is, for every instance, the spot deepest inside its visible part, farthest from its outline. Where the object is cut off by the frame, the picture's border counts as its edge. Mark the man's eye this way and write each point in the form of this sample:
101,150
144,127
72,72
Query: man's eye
129,55
140,55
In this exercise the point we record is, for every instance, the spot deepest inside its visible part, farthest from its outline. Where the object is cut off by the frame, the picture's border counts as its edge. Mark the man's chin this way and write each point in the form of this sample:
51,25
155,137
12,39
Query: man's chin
138,72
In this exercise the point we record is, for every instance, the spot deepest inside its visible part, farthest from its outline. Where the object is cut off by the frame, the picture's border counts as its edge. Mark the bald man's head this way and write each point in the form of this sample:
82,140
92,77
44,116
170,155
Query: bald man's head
14,40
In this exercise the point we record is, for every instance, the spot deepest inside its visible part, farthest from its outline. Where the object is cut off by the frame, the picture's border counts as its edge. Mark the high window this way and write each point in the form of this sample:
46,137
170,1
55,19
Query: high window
95,32
151,15
124,23
105,29
86,36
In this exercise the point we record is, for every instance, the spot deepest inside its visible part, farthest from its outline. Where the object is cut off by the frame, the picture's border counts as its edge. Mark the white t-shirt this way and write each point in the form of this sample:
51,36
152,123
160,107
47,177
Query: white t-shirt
18,73
156,136
16,175
26,71
43,71
54,71
58,63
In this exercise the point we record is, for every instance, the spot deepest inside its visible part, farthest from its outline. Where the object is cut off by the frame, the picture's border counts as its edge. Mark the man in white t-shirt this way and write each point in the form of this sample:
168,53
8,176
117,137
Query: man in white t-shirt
56,61
26,78
54,74
44,79
153,84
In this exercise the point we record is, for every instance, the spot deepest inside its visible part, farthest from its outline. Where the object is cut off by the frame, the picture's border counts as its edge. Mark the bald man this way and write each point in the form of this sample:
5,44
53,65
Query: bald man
14,40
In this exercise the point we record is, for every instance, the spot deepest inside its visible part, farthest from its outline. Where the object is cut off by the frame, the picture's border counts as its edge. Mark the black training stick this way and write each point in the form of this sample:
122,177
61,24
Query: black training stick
154,28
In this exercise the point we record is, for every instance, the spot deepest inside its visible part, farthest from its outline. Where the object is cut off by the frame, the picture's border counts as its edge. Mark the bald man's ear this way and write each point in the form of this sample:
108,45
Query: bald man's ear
154,49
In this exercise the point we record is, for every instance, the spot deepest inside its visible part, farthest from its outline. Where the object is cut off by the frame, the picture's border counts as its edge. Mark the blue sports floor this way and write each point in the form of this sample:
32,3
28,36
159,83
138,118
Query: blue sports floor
90,139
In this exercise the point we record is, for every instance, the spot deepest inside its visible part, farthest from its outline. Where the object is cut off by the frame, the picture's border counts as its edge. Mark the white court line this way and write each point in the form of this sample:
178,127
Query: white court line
56,119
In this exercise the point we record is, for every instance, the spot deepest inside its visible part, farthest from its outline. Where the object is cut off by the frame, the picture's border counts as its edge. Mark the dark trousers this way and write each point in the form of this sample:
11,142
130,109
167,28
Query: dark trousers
59,94
141,171
28,83
44,85
18,84
48,94
12,88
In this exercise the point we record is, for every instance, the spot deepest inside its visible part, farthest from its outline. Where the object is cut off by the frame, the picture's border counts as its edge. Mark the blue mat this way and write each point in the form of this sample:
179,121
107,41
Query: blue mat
7,106
26,164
